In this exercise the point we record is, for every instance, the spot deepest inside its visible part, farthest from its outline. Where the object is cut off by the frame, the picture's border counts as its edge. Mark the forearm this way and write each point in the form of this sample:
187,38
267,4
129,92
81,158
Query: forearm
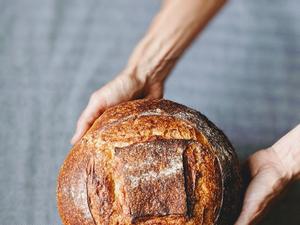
288,150
171,32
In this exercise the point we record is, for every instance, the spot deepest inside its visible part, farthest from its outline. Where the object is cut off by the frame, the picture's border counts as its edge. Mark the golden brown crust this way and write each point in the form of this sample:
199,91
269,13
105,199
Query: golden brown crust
150,162
153,178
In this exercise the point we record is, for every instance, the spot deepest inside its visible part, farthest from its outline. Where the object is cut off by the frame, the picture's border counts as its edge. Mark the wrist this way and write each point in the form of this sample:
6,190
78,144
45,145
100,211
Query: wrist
288,151
149,64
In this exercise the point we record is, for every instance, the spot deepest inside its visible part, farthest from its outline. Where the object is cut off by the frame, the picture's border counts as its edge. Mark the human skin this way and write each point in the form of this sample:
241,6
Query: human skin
271,171
171,32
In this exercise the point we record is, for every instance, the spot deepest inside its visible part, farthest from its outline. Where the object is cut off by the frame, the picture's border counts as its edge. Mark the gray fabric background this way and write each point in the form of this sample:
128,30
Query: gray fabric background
243,72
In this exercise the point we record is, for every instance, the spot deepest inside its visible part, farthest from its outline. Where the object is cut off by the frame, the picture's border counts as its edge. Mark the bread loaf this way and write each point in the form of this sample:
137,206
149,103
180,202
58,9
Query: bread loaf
150,162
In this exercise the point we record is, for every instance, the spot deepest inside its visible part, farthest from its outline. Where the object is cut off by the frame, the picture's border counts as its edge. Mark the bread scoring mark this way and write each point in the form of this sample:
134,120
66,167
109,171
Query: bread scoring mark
143,137
153,178
217,142
90,170
192,175
78,196
139,129
99,193
173,168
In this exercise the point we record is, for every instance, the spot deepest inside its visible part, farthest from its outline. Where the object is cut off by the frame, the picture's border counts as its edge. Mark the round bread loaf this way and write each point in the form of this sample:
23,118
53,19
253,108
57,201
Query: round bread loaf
150,162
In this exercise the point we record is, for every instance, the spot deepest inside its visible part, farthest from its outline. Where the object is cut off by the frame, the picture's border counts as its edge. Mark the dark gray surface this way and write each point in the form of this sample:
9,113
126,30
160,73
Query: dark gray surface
243,73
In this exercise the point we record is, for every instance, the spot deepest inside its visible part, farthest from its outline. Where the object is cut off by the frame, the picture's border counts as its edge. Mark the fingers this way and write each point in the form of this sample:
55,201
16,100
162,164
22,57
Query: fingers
118,90
288,151
122,88
266,185
252,207
95,107
248,208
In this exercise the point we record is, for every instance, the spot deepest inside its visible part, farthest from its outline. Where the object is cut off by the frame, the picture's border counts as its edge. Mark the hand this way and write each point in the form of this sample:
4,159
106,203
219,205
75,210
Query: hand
127,86
171,32
268,181
271,170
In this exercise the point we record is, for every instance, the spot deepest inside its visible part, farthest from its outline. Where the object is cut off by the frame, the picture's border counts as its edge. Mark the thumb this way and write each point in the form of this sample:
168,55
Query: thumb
118,90
98,102
93,110
252,207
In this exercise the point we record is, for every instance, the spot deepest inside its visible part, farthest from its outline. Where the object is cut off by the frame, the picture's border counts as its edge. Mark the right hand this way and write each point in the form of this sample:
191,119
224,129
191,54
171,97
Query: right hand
126,86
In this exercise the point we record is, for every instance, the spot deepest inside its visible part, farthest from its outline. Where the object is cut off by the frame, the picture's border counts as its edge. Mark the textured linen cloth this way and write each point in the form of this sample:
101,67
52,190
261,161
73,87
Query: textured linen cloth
243,72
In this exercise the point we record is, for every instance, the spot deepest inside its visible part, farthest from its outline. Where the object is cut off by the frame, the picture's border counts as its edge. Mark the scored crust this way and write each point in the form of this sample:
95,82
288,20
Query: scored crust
150,162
